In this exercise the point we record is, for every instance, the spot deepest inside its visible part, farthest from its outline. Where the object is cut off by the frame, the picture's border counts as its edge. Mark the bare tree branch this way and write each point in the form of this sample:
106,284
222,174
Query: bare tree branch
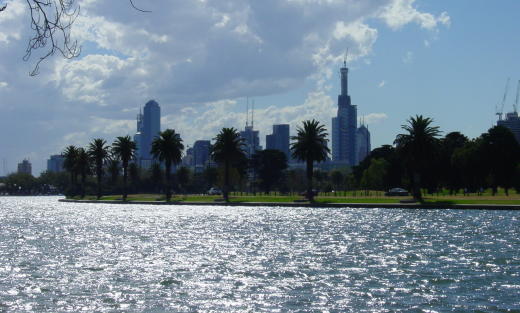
133,5
51,22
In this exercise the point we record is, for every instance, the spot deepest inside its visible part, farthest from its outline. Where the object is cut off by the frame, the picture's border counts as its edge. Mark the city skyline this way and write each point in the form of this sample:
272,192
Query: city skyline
435,58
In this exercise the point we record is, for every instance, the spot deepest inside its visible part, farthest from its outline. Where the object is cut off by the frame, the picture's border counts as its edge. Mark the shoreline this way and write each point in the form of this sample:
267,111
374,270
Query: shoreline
511,207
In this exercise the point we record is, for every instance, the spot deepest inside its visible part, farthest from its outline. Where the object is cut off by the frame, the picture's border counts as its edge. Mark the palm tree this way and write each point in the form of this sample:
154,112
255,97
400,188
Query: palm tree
124,148
156,176
310,146
113,169
417,147
83,168
168,147
99,152
227,150
69,164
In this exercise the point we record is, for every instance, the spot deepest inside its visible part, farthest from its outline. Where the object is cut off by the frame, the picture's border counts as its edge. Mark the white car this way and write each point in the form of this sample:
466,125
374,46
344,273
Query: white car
214,191
397,192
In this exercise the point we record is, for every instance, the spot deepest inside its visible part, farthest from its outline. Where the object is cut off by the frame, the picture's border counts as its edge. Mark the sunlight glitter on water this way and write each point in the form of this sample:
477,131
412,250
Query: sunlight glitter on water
63,257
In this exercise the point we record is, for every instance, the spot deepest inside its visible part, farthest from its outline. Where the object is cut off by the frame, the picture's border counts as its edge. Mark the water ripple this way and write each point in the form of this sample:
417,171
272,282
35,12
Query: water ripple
63,257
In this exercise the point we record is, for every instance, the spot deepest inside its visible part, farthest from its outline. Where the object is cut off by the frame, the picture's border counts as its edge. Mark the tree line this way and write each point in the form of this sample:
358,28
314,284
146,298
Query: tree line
420,160
423,160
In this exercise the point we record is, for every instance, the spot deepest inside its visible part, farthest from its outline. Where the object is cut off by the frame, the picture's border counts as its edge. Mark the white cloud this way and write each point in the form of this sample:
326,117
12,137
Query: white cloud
375,118
93,78
76,138
3,84
402,12
205,123
111,127
10,22
408,57
197,58
363,36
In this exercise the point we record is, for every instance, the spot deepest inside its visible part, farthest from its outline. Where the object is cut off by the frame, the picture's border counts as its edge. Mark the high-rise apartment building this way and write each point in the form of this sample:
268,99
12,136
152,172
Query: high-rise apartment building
148,127
251,140
55,163
138,134
201,150
25,167
279,139
187,159
512,121
362,143
344,125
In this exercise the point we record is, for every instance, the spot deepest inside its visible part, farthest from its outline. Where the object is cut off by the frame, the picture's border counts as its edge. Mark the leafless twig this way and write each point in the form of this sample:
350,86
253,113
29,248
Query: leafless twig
133,5
51,21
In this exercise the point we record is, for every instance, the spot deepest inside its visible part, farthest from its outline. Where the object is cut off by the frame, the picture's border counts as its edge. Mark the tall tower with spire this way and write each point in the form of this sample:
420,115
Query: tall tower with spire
250,136
344,125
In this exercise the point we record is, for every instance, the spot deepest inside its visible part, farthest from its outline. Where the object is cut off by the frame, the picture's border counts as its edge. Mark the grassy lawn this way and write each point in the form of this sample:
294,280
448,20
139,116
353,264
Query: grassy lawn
373,197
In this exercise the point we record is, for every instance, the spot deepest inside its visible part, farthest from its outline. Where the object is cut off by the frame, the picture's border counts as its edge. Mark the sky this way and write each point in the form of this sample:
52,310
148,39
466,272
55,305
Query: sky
200,59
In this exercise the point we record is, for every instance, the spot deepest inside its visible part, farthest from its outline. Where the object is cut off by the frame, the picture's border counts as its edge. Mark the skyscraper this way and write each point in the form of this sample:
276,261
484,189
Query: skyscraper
344,125
137,136
251,141
55,163
148,127
362,143
25,167
279,139
187,159
512,122
201,153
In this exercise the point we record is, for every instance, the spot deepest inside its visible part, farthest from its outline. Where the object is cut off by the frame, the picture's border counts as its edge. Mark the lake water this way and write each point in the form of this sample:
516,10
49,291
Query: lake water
63,257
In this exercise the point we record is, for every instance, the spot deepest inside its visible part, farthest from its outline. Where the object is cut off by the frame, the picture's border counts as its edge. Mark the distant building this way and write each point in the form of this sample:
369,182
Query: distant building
201,150
344,125
137,136
512,122
25,167
55,163
187,160
251,140
148,127
362,143
279,139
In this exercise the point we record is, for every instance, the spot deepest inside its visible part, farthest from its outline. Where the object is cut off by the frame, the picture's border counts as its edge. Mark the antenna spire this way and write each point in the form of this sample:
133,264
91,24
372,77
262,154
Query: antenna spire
247,112
345,59
515,105
253,115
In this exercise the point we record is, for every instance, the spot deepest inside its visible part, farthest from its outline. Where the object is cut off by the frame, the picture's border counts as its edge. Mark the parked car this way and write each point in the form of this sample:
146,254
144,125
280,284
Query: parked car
214,191
397,192
314,192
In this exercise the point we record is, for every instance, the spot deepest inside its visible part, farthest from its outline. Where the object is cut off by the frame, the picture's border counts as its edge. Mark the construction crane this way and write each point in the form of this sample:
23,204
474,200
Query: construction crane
500,106
515,105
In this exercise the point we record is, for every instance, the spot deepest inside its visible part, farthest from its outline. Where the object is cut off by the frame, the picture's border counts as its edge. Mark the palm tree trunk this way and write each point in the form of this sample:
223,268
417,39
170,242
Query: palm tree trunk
416,181
310,194
83,179
75,185
99,177
226,181
125,176
168,181
72,186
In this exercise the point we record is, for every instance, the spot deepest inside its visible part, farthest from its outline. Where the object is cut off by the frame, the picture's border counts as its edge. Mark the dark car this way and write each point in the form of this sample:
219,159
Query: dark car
314,193
397,192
